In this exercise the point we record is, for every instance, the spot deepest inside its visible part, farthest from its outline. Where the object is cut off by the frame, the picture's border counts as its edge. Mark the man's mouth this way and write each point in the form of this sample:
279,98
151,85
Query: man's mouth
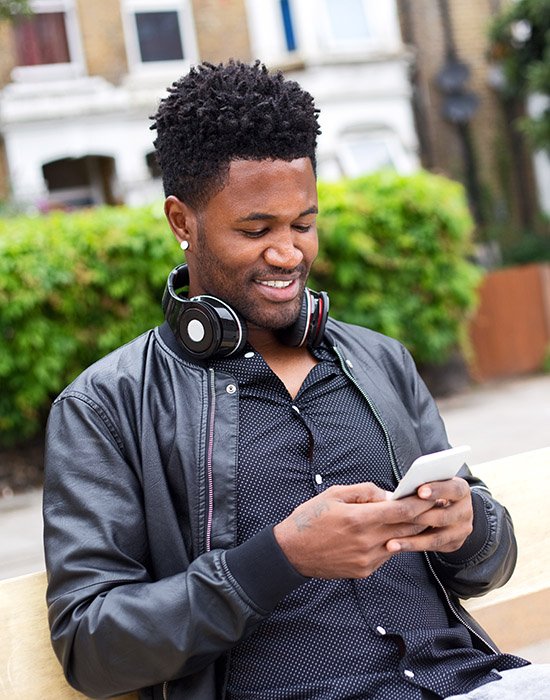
278,284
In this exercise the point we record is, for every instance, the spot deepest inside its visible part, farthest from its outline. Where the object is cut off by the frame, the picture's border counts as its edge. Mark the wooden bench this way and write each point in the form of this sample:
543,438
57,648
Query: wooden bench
516,615
29,669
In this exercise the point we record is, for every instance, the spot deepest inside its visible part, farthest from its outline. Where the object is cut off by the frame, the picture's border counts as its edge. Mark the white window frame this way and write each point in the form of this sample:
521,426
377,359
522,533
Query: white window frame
382,27
312,29
187,34
333,43
56,71
399,160
267,32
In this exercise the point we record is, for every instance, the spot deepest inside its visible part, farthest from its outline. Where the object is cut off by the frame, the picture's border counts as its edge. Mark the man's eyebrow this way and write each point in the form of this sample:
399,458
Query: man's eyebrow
260,216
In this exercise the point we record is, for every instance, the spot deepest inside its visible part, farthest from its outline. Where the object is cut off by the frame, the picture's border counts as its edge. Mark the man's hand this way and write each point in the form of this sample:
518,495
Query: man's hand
446,525
342,532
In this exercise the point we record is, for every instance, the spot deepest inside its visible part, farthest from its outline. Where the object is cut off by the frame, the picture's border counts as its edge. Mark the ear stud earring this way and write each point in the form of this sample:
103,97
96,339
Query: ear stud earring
184,245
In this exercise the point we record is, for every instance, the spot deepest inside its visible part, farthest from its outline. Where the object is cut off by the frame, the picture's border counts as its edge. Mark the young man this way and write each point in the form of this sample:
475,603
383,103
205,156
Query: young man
216,521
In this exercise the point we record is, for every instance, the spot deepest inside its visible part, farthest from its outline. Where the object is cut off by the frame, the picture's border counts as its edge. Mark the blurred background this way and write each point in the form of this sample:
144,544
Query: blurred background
438,84
400,83
434,184
433,164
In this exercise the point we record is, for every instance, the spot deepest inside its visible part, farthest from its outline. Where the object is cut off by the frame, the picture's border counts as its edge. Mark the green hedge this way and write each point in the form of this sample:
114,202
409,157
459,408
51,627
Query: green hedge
72,288
394,255
75,286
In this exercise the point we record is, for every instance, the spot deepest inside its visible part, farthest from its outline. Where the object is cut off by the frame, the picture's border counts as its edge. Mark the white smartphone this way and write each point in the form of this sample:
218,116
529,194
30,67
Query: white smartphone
436,466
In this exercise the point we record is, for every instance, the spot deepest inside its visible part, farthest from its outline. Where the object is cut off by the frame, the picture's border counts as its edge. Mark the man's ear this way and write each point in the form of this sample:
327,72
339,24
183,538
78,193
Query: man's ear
182,219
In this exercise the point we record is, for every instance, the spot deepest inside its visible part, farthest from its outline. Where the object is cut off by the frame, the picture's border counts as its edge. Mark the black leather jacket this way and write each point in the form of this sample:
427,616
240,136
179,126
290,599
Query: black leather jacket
139,515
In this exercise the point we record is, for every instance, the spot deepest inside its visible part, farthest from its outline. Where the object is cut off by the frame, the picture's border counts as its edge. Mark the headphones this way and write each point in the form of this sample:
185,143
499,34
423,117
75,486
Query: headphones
206,326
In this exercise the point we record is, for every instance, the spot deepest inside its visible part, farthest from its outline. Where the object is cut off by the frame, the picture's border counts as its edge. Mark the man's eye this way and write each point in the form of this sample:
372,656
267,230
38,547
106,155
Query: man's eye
303,228
254,234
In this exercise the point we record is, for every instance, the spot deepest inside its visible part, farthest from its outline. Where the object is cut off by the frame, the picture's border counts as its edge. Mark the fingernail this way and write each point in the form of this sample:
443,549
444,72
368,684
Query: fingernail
394,547
425,492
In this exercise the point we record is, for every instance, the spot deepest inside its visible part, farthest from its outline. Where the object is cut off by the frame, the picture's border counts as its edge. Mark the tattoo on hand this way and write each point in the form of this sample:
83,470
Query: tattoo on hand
304,520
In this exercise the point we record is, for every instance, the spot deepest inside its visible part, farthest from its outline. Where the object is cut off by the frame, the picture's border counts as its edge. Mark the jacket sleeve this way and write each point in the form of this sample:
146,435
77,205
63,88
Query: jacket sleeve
113,627
488,557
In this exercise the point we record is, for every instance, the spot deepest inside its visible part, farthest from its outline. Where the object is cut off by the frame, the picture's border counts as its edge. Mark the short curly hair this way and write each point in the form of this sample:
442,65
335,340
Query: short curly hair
232,111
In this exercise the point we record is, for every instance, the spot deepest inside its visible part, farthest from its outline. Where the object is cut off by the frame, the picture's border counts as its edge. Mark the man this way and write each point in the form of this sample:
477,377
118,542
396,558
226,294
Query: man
217,522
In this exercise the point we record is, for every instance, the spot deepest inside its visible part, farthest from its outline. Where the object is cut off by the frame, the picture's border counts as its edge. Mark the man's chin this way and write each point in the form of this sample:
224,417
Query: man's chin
273,322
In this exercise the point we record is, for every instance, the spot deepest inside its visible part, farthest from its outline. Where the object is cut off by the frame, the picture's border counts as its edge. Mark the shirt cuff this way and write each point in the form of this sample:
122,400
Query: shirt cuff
262,570
476,540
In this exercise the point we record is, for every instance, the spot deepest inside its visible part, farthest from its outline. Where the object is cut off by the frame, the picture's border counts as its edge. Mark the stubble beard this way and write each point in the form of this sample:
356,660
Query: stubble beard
220,284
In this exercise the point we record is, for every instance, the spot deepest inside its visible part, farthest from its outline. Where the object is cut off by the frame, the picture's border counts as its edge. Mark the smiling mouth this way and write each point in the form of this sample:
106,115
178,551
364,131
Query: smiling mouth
278,284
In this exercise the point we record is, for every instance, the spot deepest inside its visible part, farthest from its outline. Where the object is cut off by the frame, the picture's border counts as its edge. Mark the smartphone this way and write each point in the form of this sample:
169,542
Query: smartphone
436,466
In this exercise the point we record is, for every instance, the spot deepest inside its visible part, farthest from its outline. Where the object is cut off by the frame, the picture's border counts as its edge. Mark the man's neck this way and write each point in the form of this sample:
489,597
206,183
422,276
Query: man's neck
290,364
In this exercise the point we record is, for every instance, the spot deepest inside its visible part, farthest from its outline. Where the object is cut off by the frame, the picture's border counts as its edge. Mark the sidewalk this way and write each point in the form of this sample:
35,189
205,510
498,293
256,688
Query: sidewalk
495,419
501,418
21,534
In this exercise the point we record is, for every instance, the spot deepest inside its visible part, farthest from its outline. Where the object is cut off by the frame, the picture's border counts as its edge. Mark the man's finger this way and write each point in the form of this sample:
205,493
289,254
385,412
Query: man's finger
450,490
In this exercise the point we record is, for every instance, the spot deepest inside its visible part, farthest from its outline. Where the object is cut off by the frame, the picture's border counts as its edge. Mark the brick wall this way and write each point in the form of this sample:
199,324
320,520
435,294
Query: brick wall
7,53
103,38
471,20
7,63
222,30
441,148
4,179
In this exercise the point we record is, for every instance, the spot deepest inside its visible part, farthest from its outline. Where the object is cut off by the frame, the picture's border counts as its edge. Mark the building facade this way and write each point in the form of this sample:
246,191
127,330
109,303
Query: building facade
79,81
466,129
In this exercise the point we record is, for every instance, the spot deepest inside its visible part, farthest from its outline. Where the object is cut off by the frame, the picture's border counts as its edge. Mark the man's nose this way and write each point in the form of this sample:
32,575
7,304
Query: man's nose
283,252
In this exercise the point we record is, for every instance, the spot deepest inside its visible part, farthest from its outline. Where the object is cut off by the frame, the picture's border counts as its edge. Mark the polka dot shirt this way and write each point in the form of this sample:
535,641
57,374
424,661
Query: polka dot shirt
387,636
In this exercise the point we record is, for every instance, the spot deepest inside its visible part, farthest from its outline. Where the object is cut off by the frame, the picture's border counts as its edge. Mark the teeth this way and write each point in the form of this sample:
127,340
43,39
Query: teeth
280,284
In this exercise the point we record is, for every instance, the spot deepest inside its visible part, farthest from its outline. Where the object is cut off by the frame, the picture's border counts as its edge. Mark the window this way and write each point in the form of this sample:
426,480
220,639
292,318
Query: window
288,25
153,165
159,34
47,42
80,182
359,25
368,150
283,31
273,28
41,38
346,21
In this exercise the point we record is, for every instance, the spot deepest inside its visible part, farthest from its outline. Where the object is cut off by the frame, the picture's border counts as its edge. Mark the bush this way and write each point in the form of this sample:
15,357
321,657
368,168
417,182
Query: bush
530,248
75,286
393,255
72,288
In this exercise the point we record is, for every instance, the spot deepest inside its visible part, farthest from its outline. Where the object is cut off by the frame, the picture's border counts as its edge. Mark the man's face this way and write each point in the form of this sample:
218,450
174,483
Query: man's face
255,240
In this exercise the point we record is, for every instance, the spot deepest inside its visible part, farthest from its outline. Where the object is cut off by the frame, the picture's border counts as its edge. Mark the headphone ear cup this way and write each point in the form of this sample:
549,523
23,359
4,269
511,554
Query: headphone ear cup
204,326
296,334
207,327
198,330
309,327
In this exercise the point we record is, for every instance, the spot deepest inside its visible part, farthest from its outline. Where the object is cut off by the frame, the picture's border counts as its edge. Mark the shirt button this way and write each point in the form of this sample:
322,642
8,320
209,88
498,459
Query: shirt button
296,409
380,630
248,355
408,673
231,388
349,363
318,479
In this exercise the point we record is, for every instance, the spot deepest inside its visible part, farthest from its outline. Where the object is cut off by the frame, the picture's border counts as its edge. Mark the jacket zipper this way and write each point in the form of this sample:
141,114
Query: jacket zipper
398,477
452,607
165,690
209,455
